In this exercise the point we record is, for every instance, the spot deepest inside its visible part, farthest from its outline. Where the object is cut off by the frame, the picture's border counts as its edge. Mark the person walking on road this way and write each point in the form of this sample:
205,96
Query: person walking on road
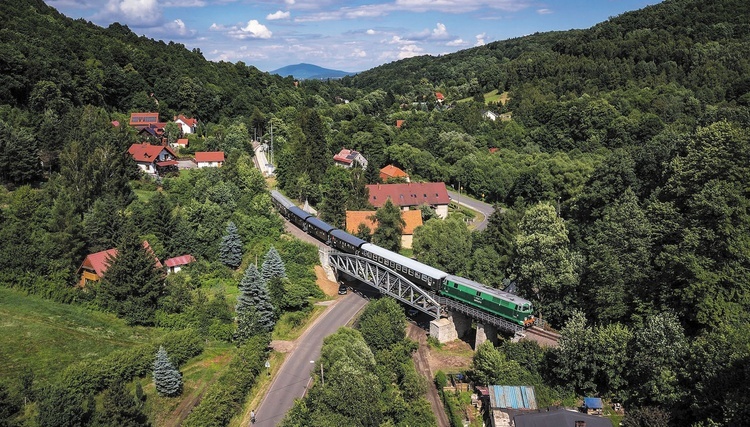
252,417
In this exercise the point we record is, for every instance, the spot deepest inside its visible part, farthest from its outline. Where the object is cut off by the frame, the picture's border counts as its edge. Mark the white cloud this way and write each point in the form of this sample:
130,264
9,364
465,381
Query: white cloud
137,13
456,43
454,6
544,11
178,28
371,32
289,2
359,53
409,50
439,31
278,15
217,27
481,39
185,3
253,30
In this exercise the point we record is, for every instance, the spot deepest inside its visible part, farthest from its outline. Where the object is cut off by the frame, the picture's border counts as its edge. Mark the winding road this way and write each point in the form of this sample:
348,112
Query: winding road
485,209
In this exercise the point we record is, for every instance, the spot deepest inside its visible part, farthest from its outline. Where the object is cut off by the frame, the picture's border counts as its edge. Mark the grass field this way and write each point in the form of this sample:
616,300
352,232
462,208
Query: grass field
489,97
46,336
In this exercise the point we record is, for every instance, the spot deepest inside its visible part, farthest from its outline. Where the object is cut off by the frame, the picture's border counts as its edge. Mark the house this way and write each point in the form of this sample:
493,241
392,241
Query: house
174,265
95,265
187,125
440,97
502,403
392,172
592,405
153,158
180,143
559,417
143,120
400,123
153,131
209,159
411,195
348,158
412,220
490,115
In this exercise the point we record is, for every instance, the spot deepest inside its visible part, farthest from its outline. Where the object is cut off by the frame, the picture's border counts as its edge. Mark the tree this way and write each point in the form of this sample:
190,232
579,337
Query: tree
335,193
172,131
230,251
383,324
120,408
60,406
132,285
390,227
8,407
544,269
444,244
167,379
255,313
273,266
490,366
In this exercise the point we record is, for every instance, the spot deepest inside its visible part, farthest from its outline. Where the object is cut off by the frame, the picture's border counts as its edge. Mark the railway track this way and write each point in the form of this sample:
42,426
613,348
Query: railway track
543,337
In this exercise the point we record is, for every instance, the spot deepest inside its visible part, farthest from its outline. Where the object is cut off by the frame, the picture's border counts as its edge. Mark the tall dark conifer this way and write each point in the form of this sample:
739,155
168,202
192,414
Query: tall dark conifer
167,379
230,251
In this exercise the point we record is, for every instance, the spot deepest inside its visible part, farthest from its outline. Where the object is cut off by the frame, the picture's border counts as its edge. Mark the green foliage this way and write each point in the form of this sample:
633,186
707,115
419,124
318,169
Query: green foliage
230,249
390,227
167,378
490,366
383,324
120,408
223,399
273,266
255,313
62,406
444,244
132,284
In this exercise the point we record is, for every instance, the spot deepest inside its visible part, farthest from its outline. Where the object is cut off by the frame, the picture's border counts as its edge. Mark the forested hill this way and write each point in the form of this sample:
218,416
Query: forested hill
45,56
701,45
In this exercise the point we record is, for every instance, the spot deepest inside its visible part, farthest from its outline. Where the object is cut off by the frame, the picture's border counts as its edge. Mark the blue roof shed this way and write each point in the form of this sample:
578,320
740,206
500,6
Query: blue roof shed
592,403
512,397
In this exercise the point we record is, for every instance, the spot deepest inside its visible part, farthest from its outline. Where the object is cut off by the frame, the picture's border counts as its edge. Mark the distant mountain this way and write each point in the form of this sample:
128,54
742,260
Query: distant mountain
310,71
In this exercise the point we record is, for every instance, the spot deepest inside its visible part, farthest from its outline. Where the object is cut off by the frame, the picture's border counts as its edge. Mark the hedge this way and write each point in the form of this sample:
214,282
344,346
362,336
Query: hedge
224,398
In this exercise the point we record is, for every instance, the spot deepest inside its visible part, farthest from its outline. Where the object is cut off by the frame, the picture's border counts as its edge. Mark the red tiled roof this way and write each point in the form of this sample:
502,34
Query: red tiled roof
493,149
391,171
143,119
115,123
399,123
345,156
412,218
99,261
182,142
189,122
209,156
179,260
439,96
167,163
410,194
147,152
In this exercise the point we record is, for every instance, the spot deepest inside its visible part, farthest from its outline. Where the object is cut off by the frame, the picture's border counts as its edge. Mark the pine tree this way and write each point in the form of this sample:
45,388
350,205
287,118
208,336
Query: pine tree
230,251
272,266
132,284
167,379
255,313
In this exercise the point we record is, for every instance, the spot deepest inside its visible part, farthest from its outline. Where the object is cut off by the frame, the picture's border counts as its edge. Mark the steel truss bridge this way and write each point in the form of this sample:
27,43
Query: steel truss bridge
393,284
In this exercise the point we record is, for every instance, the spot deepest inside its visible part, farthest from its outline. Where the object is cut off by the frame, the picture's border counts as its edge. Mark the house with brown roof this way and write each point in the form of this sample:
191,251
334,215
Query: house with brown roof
411,195
174,265
180,143
153,159
143,120
349,158
412,220
440,97
187,125
95,265
393,172
209,159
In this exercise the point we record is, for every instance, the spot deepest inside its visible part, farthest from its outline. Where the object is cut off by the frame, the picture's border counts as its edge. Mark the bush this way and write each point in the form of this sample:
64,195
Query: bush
441,380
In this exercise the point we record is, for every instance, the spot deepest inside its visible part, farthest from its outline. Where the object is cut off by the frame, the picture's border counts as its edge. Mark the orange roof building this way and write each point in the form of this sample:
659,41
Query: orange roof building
209,159
392,172
187,125
412,220
174,265
95,265
148,157
412,194
143,120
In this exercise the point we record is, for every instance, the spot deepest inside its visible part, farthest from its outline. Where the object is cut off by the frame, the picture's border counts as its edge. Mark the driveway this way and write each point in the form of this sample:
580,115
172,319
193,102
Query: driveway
485,209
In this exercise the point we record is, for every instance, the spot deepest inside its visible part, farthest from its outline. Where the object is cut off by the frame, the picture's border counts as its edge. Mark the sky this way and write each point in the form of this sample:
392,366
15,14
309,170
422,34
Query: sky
352,36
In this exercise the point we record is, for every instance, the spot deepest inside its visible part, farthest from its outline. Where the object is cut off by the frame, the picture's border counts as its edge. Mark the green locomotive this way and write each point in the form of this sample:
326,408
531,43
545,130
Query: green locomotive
504,304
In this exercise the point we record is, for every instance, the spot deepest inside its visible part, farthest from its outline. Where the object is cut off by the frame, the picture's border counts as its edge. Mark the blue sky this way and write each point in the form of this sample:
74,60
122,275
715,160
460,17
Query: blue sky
345,35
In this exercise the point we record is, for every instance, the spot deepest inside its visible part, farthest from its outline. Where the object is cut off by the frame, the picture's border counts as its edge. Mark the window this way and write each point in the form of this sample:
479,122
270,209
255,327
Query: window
455,285
479,294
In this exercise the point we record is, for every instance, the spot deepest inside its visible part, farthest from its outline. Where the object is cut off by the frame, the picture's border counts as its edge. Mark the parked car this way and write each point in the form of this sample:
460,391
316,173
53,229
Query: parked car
342,289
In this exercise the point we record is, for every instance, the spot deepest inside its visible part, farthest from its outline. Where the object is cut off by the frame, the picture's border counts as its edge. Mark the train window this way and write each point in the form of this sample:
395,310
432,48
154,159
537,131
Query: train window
479,294
455,285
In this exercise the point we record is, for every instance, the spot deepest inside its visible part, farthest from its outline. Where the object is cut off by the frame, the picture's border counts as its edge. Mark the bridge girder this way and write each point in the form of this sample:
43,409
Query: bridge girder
385,280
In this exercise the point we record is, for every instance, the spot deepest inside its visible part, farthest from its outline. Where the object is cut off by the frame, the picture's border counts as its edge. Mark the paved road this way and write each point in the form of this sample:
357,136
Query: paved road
292,380
485,208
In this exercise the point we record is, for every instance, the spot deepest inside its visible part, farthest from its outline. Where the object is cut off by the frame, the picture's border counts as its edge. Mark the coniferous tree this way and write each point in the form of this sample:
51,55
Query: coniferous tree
167,379
230,251
132,284
273,266
255,312
390,227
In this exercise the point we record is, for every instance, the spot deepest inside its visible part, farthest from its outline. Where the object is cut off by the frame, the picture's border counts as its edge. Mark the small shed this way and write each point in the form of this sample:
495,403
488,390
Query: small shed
592,405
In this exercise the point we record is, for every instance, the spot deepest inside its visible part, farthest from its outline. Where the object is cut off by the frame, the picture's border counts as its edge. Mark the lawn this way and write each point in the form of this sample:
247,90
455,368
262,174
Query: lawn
46,336
489,97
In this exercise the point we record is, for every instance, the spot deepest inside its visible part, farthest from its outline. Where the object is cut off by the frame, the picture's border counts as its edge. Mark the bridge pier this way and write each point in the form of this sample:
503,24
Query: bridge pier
450,329
485,332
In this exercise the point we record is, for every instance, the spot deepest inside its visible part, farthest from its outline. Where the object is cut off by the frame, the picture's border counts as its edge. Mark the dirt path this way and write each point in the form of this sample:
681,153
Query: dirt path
421,357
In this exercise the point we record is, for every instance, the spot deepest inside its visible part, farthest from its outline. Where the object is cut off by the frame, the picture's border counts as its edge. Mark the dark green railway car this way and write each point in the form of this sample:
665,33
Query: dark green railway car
503,304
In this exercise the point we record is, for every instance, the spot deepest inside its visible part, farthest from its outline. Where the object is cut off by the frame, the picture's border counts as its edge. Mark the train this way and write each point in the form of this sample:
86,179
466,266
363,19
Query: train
494,301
